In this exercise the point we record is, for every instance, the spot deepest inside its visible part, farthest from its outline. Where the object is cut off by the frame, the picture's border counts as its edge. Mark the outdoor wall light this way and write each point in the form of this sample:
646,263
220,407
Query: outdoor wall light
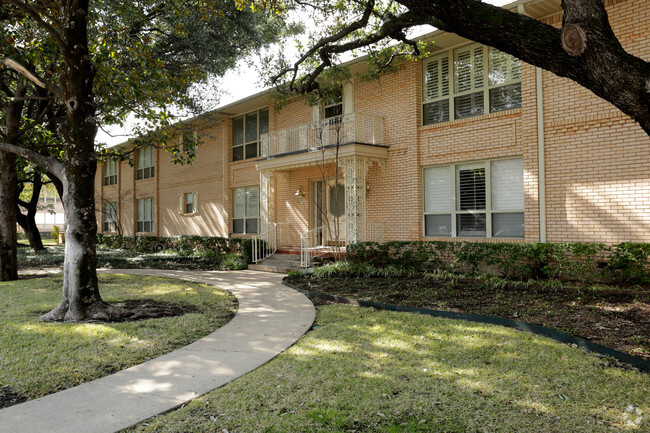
300,195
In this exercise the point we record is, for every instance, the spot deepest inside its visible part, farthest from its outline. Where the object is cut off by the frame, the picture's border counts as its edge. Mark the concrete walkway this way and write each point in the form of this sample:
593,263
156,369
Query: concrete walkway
271,317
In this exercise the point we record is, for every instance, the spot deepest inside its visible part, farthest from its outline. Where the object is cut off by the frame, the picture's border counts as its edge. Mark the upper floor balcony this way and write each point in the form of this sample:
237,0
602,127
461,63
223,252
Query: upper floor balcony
353,128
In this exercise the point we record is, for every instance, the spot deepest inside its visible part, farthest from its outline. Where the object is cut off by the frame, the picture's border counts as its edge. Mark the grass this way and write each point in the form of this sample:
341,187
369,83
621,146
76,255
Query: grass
362,370
38,358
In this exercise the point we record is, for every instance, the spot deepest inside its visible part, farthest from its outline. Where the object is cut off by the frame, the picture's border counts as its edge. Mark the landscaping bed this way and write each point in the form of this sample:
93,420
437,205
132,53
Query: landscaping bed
618,318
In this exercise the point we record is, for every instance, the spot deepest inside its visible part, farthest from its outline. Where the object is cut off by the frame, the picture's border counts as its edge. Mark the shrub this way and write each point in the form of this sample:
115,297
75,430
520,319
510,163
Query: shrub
628,263
233,262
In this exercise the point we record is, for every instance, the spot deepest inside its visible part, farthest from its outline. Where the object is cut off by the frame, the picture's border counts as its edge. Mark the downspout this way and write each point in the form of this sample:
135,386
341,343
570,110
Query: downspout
540,156
223,173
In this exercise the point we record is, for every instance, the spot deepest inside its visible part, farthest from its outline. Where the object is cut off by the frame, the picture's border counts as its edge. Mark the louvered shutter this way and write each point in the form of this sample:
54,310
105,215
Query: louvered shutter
181,203
468,66
239,203
437,189
507,182
436,78
195,202
252,202
471,187
502,67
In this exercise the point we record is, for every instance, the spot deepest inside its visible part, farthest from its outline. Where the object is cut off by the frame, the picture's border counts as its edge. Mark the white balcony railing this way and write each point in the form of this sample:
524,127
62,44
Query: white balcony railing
346,129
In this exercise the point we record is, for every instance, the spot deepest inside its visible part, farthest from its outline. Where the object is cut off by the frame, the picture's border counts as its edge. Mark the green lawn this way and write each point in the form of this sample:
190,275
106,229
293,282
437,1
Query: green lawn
38,358
363,370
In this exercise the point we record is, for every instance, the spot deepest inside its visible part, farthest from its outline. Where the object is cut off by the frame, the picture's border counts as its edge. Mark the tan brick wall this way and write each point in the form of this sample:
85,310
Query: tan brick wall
597,165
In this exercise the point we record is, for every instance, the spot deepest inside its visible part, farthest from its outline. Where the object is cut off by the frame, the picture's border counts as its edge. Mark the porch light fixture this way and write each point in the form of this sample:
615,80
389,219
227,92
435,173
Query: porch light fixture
300,195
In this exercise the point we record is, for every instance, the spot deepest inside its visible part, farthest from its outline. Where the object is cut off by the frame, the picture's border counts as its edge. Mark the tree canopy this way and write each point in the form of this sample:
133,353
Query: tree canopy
97,61
585,48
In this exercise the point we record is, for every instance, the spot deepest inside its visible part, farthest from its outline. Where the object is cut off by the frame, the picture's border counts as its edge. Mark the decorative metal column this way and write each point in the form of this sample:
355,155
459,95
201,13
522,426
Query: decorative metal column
266,177
354,170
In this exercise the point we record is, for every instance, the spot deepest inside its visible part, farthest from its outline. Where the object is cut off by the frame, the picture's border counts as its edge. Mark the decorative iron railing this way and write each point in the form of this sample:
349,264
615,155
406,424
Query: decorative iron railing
345,129
266,243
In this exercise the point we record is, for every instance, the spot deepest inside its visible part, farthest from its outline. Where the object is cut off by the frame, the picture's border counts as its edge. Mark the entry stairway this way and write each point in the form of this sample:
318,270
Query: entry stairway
282,261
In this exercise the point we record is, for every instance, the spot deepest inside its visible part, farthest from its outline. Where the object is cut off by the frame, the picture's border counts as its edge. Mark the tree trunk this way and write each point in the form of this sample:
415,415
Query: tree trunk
28,222
8,236
81,299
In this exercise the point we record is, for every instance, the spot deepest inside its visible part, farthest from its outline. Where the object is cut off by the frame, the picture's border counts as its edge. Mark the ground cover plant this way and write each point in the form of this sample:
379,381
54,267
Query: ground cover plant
617,317
362,370
39,358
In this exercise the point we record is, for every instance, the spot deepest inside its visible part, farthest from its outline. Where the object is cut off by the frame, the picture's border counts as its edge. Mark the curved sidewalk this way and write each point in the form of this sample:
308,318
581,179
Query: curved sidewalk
270,318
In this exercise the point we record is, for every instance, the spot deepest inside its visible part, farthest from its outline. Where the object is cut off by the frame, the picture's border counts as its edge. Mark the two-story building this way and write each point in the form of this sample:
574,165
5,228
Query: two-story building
467,144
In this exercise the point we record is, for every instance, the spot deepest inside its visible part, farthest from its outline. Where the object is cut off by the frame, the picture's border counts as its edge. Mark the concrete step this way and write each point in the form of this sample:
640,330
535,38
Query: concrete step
280,263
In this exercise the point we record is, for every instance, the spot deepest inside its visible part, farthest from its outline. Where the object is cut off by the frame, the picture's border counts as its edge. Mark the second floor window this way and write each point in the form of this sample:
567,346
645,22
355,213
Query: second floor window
469,81
247,130
110,172
145,163
334,104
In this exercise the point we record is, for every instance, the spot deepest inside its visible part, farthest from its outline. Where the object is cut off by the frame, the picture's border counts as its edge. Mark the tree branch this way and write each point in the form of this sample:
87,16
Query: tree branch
57,91
46,162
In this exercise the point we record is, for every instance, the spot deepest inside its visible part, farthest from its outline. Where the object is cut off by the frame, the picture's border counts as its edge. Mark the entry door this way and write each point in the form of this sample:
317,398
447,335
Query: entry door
334,216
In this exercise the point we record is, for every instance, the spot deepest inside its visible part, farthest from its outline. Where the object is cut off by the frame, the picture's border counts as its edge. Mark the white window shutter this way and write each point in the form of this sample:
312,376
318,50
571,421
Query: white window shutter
252,202
502,67
436,77
437,189
181,203
507,179
239,203
195,202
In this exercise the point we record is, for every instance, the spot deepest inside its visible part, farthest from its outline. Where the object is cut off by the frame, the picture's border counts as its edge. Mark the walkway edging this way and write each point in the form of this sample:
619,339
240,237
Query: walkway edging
562,337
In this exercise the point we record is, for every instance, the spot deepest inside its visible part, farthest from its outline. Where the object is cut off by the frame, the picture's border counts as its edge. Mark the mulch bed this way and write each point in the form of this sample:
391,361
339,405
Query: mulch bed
616,318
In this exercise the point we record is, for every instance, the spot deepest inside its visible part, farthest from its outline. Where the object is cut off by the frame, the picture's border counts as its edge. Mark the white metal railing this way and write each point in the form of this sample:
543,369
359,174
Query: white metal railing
311,246
345,129
266,243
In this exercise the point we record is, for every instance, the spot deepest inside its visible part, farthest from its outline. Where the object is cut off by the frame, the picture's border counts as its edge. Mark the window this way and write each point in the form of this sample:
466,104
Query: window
110,217
469,81
484,199
146,215
246,209
247,130
145,163
110,172
334,104
188,202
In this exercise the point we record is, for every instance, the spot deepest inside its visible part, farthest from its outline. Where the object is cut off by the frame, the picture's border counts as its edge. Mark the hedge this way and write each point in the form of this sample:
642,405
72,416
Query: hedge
625,263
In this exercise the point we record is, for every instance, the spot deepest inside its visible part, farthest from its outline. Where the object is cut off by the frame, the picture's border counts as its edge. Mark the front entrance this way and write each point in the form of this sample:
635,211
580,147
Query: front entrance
328,211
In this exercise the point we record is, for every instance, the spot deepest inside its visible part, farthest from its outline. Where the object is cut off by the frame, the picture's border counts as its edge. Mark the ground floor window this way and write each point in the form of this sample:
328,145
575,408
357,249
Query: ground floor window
146,215
482,199
246,210
110,217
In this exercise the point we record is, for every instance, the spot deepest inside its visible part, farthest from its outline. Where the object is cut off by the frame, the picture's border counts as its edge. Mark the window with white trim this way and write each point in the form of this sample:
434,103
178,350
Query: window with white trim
146,161
469,81
333,104
247,130
146,214
483,199
110,217
246,210
188,203
110,172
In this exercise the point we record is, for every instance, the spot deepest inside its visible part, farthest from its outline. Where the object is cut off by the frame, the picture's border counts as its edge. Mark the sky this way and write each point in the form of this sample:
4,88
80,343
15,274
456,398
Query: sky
237,84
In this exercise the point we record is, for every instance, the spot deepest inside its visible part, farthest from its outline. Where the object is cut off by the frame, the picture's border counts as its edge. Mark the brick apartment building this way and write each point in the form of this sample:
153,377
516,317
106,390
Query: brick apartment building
470,143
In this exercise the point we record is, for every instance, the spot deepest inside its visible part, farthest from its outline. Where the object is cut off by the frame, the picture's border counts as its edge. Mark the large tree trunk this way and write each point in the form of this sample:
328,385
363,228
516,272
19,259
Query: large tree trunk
28,222
8,238
81,299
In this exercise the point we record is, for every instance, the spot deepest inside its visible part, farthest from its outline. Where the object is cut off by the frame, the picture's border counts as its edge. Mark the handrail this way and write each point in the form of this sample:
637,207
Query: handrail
308,246
345,129
265,244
